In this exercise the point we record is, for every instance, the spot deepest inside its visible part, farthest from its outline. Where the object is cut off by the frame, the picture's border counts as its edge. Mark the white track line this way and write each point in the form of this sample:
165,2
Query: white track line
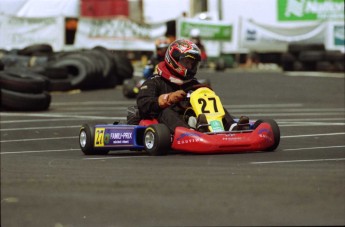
40,128
308,124
26,140
93,103
310,135
58,116
41,151
312,148
37,120
315,74
296,161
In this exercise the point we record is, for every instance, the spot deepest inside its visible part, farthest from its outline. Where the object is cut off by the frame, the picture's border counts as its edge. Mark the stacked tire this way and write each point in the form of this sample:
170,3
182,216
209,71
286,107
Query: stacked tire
94,68
87,69
28,75
312,57
24,91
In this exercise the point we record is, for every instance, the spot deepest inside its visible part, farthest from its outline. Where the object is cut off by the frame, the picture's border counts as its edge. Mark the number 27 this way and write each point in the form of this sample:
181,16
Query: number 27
204,102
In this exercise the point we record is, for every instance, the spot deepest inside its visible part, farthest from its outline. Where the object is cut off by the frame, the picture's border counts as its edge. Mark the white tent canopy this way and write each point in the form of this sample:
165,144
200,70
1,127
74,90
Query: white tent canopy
40,8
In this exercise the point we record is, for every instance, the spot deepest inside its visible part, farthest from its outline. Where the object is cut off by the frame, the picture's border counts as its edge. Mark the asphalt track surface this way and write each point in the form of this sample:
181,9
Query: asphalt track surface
47,181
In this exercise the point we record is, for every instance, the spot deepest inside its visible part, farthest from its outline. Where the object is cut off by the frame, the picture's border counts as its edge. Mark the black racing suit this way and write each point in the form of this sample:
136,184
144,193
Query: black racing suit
147,102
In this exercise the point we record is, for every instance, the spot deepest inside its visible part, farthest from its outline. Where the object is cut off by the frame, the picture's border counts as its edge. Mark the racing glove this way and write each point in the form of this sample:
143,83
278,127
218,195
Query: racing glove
168,99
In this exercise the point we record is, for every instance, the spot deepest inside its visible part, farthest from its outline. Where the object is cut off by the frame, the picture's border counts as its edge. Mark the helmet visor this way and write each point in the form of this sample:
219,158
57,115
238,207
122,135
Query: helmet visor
190,63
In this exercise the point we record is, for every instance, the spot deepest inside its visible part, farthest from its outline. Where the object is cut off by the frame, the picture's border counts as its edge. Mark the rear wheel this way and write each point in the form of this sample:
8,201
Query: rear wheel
275,130
86,139
157,139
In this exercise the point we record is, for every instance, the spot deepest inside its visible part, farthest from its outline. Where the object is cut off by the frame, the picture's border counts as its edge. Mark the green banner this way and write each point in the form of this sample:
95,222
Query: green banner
208,31
338,34
310,10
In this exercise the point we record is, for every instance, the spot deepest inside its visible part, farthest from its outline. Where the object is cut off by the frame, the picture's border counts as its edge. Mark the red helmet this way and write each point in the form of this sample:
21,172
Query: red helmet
183,57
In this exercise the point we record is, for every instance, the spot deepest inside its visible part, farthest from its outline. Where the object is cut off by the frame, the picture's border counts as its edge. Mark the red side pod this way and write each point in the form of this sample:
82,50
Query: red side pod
195,142
147,122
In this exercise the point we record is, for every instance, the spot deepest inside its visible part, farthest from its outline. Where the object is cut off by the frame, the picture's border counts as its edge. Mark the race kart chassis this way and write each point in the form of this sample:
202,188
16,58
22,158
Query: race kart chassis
156,139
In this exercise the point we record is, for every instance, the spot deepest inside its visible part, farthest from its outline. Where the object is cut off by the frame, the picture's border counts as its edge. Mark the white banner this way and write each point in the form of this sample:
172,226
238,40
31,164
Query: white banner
263,38
18,32
117,34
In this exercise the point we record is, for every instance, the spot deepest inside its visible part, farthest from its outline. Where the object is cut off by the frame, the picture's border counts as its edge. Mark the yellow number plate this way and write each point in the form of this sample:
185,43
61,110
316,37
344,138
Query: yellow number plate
99,137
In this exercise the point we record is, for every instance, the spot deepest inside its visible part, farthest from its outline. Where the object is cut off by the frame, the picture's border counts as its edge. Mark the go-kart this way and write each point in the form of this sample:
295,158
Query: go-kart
156,139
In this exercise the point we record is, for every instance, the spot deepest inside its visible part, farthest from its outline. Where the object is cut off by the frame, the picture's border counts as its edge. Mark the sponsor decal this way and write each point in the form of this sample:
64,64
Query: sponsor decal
121,135
265,134
230,138
187,138
104,137
251,35
217,126
304,10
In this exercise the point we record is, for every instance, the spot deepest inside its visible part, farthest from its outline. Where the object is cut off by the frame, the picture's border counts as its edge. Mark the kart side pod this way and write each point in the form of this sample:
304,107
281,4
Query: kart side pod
101,138
265,136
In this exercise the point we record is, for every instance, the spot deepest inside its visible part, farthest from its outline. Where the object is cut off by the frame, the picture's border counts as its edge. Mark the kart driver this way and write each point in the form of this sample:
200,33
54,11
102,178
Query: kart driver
160,95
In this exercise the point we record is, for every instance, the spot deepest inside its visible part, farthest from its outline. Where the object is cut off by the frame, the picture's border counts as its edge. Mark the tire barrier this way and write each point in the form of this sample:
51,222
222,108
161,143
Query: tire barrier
28,75
23,90
312,57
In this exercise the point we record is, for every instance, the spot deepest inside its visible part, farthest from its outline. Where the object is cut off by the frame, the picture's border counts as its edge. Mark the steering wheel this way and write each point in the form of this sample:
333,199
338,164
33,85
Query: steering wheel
185,104
192,88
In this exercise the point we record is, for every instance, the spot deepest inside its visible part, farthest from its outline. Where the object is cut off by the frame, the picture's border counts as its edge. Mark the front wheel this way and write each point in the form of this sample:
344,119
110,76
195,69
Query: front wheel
86,139
275,130
157,139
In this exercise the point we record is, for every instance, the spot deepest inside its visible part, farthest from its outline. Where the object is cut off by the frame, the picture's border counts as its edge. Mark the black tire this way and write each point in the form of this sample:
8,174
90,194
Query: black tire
78,71
298,66
51,72
275,129
287,61
60,85
106,62
324,66
304,66
24,101
22,80
295,48
124,67
157,139
111,79
36,49
311,56
339,67
133,117
12,60
86,140
220,64
334,56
